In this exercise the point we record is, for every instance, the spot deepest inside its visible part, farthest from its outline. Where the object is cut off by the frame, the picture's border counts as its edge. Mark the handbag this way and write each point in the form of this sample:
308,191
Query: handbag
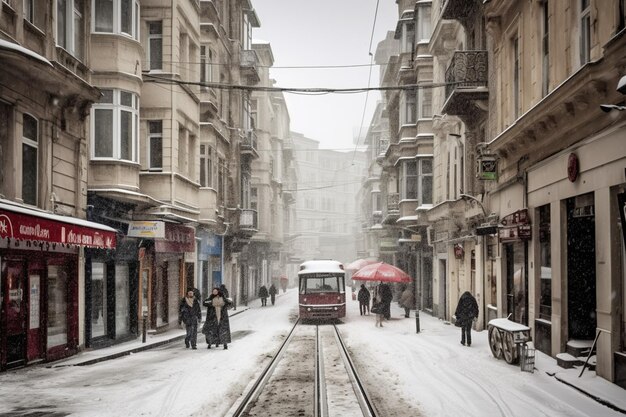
377,309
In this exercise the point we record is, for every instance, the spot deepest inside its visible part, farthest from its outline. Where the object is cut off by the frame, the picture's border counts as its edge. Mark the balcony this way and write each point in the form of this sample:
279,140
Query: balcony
249,63
467,83
456,9
249,144
393,209
248,223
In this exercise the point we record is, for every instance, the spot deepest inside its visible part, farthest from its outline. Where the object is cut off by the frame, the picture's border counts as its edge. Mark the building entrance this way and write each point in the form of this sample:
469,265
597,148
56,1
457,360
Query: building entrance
581,267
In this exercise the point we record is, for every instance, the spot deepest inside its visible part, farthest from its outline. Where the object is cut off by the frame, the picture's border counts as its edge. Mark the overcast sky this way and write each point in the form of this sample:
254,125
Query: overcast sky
325,32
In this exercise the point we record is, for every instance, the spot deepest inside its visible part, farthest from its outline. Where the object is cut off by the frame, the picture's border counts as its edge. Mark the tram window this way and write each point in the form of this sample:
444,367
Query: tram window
321,284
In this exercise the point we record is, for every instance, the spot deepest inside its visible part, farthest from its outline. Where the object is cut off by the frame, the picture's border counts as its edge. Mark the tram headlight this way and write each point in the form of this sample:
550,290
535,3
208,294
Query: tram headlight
335,308
304,300
308,309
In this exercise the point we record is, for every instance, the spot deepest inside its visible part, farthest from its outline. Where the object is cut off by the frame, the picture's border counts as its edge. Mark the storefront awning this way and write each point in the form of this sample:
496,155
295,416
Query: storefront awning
21,223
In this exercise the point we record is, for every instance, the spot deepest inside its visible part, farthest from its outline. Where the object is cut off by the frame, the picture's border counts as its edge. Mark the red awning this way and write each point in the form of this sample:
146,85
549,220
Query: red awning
18,222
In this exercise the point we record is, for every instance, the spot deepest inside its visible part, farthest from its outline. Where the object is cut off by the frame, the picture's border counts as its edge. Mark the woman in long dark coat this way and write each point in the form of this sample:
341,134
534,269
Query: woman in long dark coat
466,312
217,326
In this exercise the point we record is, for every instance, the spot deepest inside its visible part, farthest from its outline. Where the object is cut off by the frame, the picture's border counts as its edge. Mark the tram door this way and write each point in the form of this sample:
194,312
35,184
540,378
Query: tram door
14,311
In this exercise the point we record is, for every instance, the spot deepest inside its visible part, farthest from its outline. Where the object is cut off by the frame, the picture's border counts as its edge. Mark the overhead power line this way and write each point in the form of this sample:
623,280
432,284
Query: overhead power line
150,78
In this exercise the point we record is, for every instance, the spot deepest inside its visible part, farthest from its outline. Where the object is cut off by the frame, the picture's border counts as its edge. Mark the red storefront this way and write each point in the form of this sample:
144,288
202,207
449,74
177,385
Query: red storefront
39,282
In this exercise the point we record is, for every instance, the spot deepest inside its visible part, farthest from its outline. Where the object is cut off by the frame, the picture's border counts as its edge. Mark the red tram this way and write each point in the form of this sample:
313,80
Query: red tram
322,290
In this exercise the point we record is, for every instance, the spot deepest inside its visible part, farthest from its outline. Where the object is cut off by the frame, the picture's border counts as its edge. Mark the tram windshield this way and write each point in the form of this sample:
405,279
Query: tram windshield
318,283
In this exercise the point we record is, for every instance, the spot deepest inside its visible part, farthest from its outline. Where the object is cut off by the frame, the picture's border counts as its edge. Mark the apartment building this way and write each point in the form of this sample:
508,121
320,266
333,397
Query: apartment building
45,239
132,181
271,190
536,192
401,142
326,206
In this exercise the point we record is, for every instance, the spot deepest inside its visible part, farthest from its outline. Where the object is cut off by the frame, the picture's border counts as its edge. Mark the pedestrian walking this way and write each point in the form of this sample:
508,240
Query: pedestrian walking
466,312
407,300
189,312
216,328
364,300
378,308
273,291
263,295
386,297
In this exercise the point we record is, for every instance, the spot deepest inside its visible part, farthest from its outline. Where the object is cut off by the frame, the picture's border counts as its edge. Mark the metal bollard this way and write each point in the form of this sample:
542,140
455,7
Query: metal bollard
417,321
145,323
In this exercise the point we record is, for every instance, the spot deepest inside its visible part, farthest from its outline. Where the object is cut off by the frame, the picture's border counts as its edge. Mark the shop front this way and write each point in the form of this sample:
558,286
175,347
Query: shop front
111,294
164,274
39,282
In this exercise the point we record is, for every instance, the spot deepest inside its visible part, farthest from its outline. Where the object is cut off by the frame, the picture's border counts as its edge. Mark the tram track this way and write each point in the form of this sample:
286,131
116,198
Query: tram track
310,375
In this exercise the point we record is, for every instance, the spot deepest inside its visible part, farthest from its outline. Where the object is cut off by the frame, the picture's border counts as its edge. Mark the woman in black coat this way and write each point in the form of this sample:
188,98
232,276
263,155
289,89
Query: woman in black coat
217,327
190,314
466,312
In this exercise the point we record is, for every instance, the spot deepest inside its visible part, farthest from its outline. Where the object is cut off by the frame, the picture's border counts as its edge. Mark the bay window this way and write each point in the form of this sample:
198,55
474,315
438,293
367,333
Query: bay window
206,166
115,126
155,45
424,30
70,26
30,158
116,16
206,65
416,180
155,144
407,107
408,36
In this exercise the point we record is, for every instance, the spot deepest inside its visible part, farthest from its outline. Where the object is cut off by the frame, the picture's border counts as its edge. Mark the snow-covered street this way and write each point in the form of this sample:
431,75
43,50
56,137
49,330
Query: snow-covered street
428,374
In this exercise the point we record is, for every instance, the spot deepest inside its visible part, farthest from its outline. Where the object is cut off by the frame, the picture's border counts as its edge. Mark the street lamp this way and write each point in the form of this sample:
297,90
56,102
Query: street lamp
471,197
621,88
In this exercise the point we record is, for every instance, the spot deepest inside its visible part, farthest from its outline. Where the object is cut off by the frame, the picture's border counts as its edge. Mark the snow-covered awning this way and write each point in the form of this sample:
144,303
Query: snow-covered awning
403,219
22,223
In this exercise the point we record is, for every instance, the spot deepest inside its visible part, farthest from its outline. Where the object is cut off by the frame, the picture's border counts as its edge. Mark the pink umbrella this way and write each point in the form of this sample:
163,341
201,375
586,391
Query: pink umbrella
381,271
358,264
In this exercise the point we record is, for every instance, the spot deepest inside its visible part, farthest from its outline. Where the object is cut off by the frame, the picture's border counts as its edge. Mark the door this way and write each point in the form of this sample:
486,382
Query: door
14,306
35,348
581,267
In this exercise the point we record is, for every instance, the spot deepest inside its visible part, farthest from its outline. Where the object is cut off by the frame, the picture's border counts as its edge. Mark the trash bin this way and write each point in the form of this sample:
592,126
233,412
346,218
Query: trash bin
527,357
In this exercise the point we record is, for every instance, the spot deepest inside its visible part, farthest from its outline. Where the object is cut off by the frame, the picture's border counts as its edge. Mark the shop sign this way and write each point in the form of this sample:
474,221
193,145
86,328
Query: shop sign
515,226
210,244
147,229
178,239
459,252
487,168
26,227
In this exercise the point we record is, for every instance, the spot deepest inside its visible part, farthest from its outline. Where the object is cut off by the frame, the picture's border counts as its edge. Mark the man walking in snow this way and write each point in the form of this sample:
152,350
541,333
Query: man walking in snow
364,300
466,312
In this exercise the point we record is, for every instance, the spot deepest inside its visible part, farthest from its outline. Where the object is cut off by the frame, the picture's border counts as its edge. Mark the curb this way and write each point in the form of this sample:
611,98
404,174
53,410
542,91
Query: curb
134,350
593,397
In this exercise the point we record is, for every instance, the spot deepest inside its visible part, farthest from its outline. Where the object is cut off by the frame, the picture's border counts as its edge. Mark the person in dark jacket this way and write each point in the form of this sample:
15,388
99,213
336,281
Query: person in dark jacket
466,312
364,300
263,295
386,297
273,291
224,290
189,313
216,328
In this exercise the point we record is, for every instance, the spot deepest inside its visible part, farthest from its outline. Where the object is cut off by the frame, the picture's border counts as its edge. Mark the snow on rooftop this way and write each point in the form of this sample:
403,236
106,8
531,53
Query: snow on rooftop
327,265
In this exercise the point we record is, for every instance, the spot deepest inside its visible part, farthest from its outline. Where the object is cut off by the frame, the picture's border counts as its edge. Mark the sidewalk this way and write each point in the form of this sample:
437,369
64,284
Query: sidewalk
595,387
89,357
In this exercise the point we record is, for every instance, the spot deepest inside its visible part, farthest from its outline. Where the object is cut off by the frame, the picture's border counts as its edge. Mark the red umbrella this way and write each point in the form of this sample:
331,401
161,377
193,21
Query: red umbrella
381,271
358,264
